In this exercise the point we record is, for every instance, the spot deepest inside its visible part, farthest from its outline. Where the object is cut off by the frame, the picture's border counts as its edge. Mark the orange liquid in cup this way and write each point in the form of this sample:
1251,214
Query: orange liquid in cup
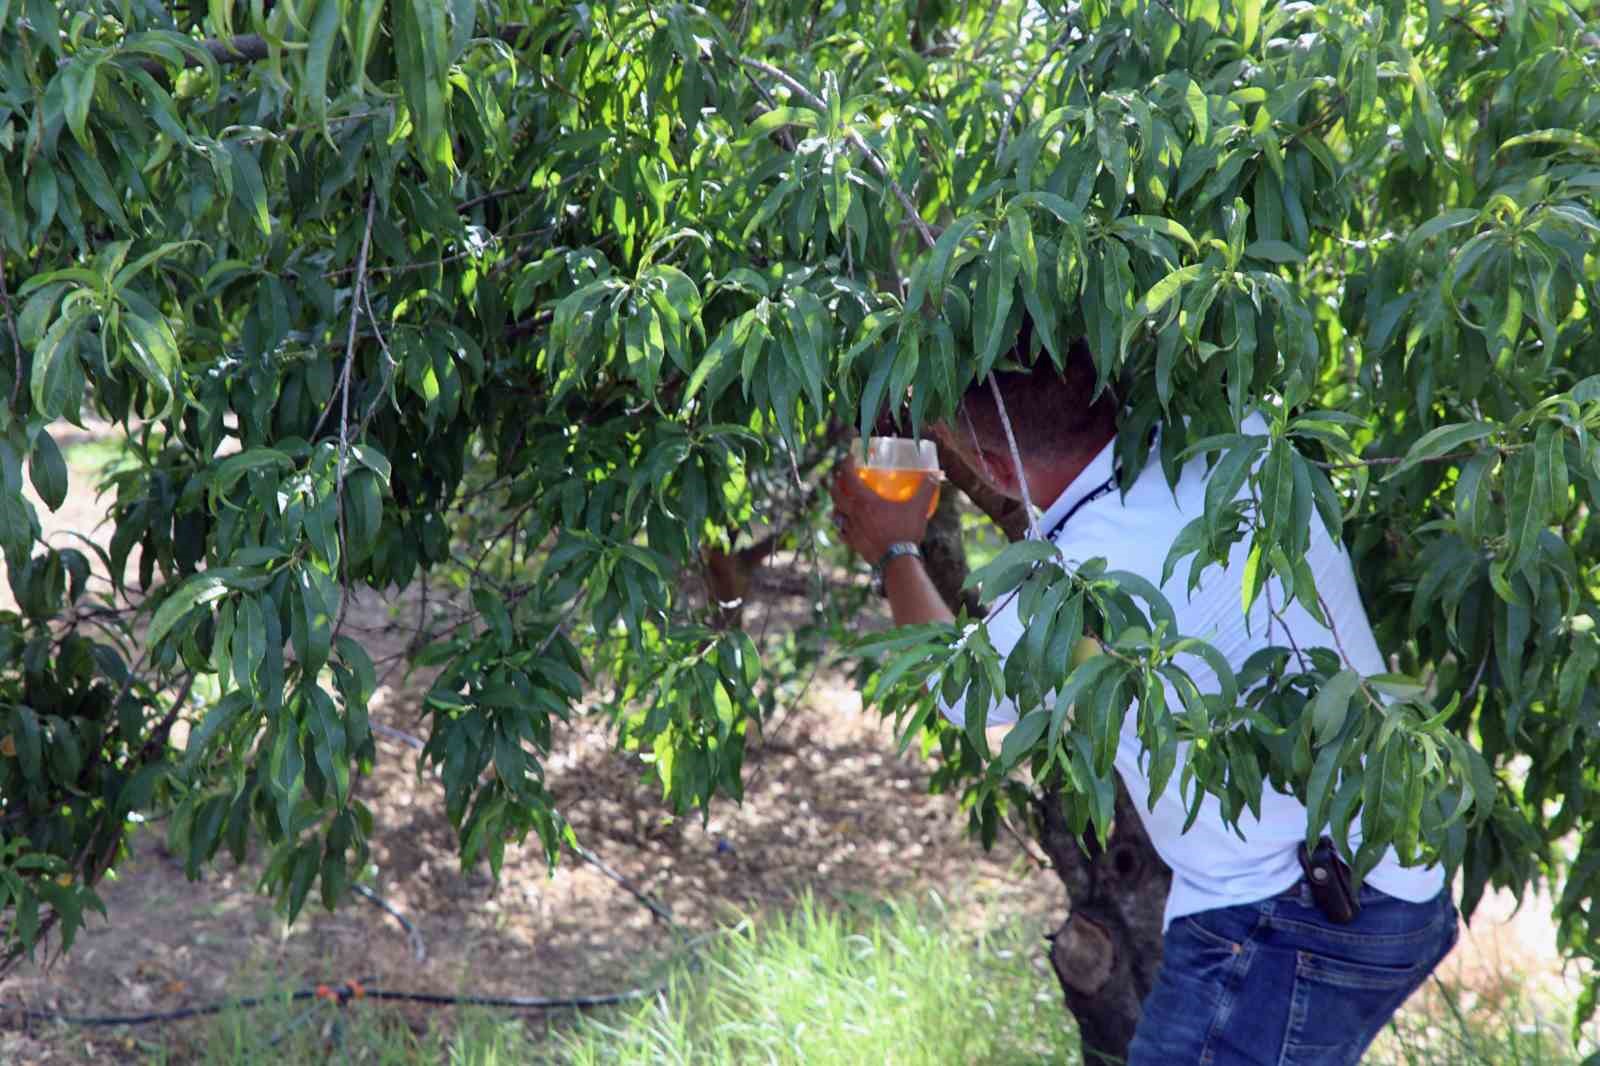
896,485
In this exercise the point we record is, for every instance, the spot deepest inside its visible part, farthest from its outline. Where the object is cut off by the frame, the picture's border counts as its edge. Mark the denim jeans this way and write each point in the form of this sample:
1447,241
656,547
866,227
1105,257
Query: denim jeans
1275,983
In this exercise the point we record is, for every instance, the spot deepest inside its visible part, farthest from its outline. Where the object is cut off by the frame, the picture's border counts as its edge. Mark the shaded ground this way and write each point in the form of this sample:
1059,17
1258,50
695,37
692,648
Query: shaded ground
830,807
834,811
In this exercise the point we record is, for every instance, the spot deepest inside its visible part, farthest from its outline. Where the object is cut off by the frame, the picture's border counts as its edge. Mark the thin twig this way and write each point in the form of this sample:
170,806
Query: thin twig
1016,458
785,138
355,311
1024,843
391,364
344,414
408,739
981,41
1272,614
1477,677
429,264
1027,87
566,616
308,127
650,903
158,736
16,341
1390,460
492,194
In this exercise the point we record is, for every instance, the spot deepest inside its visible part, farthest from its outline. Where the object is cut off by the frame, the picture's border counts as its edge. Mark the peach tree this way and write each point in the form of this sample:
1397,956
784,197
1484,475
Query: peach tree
562,306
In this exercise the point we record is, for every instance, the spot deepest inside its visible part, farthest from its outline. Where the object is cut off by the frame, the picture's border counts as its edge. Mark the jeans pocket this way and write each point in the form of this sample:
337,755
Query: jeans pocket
1339,1005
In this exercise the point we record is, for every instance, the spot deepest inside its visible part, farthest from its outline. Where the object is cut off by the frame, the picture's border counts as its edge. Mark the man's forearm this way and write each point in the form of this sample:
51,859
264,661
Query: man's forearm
912,596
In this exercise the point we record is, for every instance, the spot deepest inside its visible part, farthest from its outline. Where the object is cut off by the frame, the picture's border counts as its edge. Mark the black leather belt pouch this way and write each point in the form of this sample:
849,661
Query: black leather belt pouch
1329,879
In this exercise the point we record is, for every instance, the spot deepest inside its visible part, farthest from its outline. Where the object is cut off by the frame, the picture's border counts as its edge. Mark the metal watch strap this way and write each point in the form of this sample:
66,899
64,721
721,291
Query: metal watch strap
898,548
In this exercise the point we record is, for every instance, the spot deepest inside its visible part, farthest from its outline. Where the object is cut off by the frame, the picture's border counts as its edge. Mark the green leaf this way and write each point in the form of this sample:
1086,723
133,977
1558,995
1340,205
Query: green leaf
55,363
1398,685
48,470
154,353
1428,106
1131,224
1524,508
249,641
1165,289
1445,220
1274,252
1249,22
421,59
197,590
936,266
227,473
1565,138
804,117
1022,737
1276,479
1441,441
77,86
325,25
1022,242
363,513
1332,705
216,721
1195,99
249,188
1319,790
1010,562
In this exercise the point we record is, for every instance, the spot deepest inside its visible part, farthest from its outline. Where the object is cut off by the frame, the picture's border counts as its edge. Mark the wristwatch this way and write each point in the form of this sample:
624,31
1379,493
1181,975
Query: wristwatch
898,548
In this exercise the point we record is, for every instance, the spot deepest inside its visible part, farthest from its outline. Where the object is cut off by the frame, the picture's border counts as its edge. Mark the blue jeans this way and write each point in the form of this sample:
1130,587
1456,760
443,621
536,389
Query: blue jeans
1275,983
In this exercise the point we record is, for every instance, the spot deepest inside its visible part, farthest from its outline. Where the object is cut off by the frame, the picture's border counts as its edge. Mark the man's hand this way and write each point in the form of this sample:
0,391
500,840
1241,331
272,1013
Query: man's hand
867,522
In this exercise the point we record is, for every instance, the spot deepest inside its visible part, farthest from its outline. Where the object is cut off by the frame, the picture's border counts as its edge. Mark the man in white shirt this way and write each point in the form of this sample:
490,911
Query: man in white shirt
1243,926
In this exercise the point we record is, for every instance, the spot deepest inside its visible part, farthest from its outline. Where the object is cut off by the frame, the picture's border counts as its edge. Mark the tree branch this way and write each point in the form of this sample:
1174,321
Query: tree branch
344,410
1027,87
11,324
1389,460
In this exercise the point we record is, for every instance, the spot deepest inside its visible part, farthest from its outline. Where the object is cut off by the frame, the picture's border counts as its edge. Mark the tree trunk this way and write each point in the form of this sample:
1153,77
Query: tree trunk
942,550
1106,952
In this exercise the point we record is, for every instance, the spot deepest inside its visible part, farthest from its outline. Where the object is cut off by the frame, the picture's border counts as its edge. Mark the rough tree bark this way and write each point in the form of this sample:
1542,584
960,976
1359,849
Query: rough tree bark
947,558
1106,952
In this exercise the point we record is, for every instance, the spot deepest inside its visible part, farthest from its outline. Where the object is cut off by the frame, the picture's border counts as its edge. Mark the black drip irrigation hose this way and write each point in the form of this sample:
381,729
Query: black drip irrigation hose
16,1015
340,995
419,949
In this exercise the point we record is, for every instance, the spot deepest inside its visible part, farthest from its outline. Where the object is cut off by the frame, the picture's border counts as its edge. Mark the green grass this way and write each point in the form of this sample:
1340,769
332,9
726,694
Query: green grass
839,988
827,985
1444,1026
298,1032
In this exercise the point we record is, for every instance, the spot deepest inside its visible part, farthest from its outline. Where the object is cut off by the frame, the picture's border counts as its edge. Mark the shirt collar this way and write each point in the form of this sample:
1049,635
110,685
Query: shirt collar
1099,470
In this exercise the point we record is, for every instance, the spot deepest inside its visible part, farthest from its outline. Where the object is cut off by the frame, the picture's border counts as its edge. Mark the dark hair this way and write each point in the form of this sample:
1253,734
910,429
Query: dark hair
1052,412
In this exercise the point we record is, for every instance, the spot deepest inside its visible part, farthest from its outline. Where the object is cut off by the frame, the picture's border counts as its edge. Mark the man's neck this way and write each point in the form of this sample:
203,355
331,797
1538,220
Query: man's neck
1049,479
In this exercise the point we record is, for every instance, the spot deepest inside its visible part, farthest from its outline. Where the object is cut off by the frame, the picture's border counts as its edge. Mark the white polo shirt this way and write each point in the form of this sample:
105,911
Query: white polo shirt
1211,866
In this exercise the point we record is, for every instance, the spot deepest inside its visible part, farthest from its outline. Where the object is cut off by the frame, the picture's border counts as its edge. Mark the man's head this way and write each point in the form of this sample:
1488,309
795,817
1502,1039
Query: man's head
1058,421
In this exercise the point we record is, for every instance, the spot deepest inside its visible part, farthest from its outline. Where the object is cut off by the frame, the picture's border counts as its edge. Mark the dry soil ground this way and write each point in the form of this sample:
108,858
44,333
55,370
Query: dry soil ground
830,807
